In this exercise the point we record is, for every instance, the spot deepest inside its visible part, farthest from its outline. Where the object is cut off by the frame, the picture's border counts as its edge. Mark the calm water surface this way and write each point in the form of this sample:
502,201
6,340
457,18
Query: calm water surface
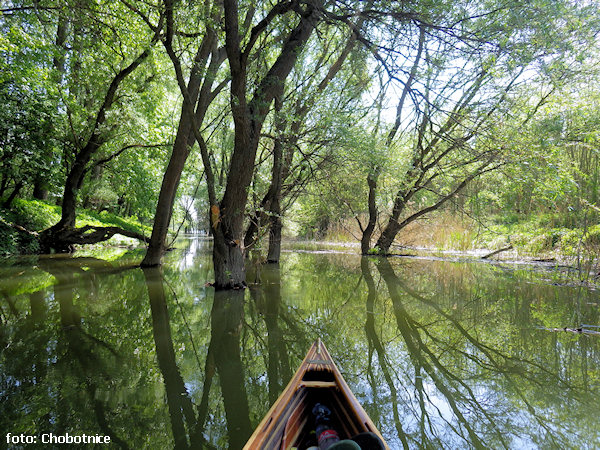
440,354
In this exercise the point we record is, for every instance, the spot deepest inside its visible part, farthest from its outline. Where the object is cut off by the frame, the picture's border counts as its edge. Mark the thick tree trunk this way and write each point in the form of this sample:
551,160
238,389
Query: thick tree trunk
274,192
390,231
40,189
197,98
228,251
228,248
164,209
54,238
365,242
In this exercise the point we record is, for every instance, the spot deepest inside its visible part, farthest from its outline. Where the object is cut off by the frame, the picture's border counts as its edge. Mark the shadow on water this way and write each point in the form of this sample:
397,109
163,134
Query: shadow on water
441,355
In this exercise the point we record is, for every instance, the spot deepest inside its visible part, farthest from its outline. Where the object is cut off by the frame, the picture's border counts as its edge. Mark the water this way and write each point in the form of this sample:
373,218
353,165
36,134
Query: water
440,354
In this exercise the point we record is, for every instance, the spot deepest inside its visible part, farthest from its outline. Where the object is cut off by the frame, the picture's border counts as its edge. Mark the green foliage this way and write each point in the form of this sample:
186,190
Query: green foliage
37,215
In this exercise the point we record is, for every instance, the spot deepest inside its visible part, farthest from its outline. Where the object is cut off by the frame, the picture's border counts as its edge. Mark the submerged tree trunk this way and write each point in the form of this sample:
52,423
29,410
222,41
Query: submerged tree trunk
228,217
271,200
389,234
197,98
168,190
392,228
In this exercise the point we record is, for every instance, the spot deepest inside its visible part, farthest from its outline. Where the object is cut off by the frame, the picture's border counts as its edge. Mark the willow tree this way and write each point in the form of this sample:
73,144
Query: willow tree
245,39
460,74
198,93
249,113
322,94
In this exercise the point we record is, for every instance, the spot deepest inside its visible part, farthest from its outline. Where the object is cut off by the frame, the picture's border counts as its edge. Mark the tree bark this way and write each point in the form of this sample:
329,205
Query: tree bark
365,241
8,202
184,140
197,97
228,251
275,186
275,232
40,189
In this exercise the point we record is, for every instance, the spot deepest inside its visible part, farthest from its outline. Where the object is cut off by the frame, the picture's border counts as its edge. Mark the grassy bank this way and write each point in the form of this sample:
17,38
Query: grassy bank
37,215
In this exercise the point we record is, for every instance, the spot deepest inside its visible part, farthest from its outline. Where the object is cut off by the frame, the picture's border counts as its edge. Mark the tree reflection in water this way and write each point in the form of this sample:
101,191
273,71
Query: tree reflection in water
466,384
187,421
441,355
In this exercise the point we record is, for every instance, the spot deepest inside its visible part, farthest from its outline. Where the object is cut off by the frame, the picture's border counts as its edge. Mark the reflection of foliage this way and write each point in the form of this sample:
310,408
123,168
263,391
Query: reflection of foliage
439,354
477,363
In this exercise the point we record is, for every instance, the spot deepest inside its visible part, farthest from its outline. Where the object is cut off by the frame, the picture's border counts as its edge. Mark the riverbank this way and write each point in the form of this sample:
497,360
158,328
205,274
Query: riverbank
37,215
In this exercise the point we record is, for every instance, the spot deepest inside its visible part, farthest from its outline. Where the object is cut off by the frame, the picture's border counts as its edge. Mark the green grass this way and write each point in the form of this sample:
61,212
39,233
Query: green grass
37,215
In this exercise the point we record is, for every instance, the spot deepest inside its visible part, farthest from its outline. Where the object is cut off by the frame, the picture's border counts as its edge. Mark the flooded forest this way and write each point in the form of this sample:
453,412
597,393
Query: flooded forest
194,194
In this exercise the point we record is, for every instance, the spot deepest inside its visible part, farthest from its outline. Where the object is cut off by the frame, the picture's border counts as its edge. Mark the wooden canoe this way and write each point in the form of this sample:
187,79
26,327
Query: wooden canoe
289,422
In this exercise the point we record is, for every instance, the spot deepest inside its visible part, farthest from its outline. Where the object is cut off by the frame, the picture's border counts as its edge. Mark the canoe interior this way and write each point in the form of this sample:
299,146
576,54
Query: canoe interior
290,422
296,423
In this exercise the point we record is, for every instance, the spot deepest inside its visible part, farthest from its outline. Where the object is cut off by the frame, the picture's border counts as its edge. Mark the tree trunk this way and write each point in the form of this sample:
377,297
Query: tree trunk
275,232
391,229
52,238
274,192
3,184
164,209
73,183
255,222
228,251
7,204
365,242
40,189
197,98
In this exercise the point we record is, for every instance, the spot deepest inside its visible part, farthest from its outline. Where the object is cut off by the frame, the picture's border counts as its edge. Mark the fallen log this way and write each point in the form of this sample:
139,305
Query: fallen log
495,252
